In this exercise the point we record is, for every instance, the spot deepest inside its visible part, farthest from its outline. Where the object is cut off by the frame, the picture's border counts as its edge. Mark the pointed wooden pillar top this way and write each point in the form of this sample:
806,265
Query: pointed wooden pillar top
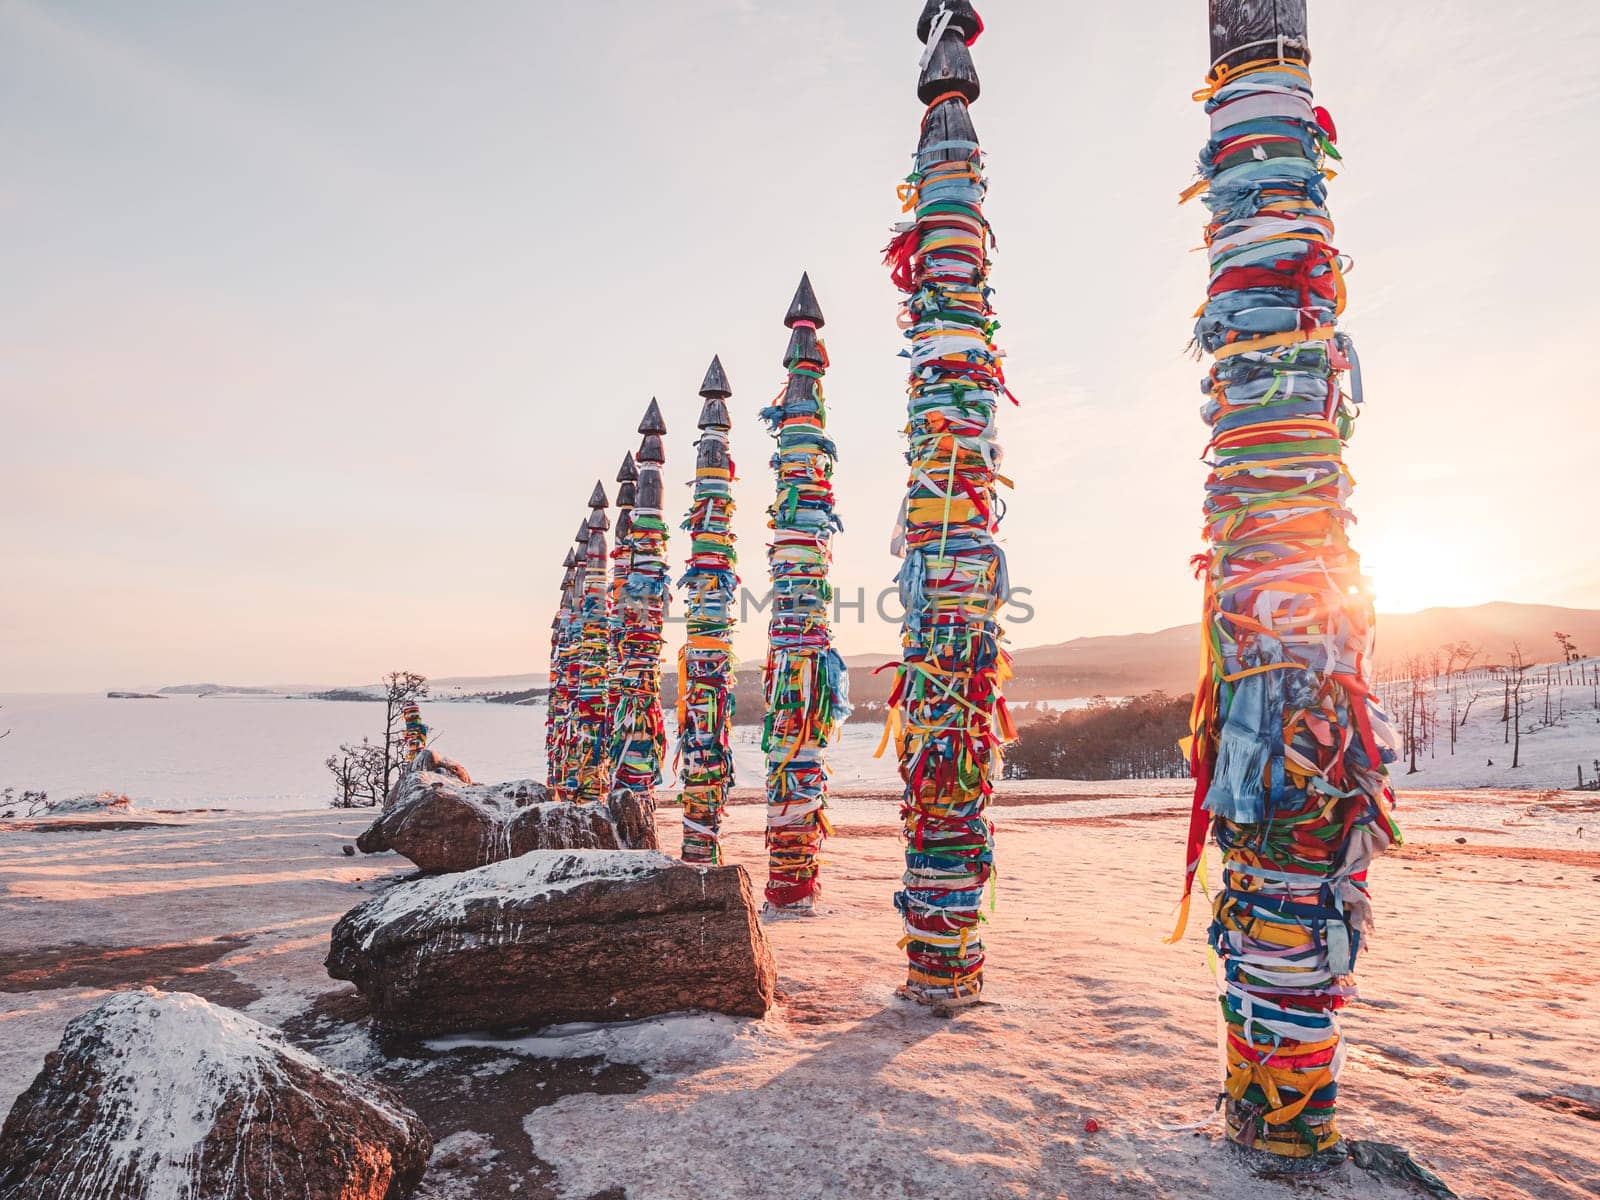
947,71
716,380
651,454
653,421
964,19
716,390
627,486
804,306
652,451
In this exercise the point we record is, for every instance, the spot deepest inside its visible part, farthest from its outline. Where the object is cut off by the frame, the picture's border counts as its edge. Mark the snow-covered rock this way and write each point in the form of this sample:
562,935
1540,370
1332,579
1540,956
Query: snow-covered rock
107,803
164,1096
431,761
34,805
443,824
557,936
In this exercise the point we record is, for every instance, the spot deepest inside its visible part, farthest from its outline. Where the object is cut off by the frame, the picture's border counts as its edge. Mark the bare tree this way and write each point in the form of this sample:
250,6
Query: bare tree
399,689
1416,714
1519,666
357,770
364,772
29,804
1569,651
1460,656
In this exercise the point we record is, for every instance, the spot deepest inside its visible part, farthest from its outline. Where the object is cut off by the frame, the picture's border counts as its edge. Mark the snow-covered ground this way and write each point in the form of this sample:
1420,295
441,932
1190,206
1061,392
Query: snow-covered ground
1550,755
1473,1046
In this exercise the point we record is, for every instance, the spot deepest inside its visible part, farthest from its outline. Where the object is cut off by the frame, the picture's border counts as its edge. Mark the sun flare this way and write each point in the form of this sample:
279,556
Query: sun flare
1417,573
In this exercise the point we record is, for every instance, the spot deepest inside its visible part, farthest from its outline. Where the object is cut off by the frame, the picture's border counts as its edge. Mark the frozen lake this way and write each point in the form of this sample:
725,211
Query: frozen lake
267,753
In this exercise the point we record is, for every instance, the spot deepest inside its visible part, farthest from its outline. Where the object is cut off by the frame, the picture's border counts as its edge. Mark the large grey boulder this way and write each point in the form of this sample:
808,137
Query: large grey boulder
557,936
155,1095
445,825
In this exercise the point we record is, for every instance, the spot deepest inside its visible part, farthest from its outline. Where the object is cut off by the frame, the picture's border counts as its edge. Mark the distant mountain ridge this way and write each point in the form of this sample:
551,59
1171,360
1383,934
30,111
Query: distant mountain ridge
1168,660
1110,665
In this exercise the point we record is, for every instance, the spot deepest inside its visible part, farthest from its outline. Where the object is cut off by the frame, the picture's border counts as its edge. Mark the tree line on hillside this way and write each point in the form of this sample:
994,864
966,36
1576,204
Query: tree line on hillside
1135,738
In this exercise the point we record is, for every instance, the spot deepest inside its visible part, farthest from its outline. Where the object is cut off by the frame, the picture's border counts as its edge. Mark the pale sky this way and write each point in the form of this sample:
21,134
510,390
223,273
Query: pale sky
318,321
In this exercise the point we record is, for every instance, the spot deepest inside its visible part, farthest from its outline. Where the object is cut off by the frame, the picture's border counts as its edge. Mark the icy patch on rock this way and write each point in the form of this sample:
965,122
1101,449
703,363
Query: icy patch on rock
91,802
443,900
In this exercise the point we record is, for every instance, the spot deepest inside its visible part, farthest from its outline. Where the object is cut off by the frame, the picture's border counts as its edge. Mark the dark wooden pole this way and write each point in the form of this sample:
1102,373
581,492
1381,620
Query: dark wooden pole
1245,30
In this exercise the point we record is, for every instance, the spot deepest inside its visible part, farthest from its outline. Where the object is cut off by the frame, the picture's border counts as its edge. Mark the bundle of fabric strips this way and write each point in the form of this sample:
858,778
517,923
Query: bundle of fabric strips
571,733
621,566
637,729
563,635
414,737
1290,745
807,687
706,662
947,715
589,762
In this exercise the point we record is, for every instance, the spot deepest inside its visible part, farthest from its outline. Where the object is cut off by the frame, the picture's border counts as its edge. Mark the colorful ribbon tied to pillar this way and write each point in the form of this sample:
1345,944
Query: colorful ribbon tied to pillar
807,687
1289,744
947,716
414,736
569,738
706,662
638,729
621,567
586,723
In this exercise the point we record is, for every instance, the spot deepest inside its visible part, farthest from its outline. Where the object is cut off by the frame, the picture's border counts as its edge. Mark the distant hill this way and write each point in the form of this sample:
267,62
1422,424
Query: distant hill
1169,660
1491,626
222,689
447,688
477,685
